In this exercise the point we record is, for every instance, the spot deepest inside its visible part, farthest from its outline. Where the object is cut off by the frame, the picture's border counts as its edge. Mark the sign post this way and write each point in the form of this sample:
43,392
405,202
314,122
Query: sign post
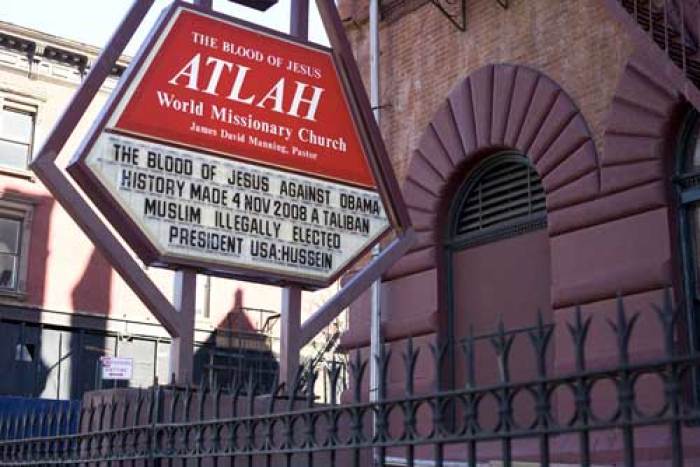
185,302
290,314
290,332
182,346
232,150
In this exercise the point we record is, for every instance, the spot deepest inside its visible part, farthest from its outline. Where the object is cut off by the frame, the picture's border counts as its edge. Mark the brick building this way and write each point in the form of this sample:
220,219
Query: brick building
548,156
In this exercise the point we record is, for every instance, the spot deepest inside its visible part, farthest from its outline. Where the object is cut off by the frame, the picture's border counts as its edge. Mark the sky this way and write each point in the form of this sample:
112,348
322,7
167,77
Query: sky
93,21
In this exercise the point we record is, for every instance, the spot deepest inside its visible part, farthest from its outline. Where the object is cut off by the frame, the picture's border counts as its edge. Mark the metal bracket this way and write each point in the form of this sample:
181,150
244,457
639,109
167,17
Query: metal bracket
383,106
455,11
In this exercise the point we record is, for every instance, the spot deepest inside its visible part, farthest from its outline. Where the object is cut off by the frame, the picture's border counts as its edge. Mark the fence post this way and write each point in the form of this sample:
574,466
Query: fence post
155,418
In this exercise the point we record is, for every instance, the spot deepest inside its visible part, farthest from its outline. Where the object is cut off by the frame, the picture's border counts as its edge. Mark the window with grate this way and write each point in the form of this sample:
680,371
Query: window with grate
503,197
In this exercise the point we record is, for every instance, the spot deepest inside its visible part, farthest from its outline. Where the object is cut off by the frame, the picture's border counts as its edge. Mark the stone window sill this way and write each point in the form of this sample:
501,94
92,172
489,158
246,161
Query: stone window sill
18,173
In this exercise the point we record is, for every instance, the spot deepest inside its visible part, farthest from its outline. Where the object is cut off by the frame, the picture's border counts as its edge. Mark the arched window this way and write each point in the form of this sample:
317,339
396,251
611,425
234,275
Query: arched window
687,182
497,260
502,197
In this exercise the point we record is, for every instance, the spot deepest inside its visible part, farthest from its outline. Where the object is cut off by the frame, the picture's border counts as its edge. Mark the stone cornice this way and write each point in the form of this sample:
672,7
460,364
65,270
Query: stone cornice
42,39
47,56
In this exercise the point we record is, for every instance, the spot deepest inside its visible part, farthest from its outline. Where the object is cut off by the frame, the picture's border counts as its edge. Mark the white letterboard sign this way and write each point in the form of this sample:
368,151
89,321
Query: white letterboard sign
198,206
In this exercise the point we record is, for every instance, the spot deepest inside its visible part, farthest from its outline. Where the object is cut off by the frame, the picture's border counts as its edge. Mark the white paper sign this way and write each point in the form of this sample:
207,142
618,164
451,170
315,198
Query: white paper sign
121,368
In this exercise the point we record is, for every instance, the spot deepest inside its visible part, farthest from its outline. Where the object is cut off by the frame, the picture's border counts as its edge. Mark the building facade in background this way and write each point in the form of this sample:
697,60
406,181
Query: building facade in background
548,153
62,306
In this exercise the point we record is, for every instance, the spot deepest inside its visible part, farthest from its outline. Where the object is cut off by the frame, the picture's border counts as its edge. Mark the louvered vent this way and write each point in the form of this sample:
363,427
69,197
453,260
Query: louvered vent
505,194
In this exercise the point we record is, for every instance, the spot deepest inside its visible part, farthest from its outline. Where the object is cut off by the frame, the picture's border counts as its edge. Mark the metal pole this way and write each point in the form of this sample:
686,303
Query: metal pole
182,347
206,312
374,57
290,319
375,379
60,357
290,325
299,21
376,310
185,299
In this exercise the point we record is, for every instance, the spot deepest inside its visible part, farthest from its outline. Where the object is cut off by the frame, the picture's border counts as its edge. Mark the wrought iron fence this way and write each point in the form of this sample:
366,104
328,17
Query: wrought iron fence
553,415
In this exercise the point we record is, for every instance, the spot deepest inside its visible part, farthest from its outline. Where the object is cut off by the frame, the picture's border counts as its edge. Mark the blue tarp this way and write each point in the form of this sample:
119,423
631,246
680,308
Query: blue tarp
42,417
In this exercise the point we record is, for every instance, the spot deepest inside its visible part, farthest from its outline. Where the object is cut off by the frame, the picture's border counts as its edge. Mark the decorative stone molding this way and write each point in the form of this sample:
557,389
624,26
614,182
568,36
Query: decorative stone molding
42,55
497,107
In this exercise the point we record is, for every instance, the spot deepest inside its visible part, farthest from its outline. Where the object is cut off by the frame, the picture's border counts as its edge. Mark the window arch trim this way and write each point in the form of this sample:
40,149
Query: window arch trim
478,221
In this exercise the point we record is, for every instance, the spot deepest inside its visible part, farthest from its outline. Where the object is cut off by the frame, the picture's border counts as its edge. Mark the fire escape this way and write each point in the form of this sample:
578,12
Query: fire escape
671,29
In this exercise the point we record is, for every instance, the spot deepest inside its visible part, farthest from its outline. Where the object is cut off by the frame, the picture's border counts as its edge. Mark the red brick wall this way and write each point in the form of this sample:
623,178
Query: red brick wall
610,232
423,56
601,235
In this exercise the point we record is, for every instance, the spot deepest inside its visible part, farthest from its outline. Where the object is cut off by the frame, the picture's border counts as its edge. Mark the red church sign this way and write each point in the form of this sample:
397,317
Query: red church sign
222,87
234,150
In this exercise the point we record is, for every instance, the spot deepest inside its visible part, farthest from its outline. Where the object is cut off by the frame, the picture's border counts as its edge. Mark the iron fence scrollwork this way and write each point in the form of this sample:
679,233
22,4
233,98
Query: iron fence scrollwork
555,414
